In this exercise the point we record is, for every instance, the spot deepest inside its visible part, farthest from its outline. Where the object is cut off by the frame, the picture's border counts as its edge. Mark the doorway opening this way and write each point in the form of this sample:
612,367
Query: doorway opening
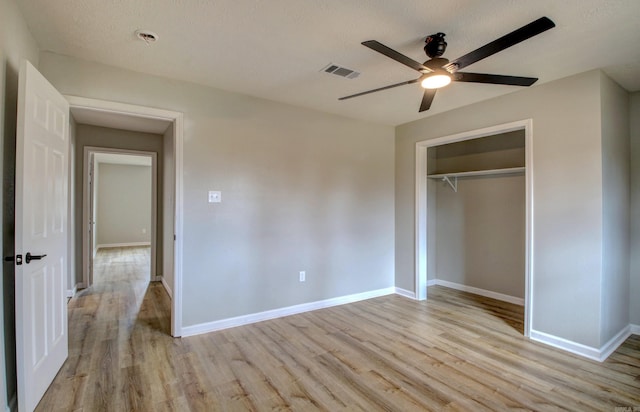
120,208
169,125
426,175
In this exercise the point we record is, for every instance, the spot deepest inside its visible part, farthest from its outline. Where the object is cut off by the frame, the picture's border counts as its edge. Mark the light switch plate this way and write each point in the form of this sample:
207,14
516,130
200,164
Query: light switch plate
215,196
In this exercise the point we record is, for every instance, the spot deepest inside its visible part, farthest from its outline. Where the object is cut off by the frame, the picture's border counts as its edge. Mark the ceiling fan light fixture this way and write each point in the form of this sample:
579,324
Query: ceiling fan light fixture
438,72
436,80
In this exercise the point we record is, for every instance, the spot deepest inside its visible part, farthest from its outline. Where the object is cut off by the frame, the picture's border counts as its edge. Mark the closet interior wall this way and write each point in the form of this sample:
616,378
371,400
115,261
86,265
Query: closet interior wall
478,232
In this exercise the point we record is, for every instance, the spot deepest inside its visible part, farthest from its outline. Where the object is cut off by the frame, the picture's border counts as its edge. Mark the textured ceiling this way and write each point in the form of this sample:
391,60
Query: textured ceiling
276,49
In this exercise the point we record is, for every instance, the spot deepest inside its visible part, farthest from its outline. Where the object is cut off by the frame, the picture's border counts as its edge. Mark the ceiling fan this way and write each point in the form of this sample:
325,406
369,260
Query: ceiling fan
438,72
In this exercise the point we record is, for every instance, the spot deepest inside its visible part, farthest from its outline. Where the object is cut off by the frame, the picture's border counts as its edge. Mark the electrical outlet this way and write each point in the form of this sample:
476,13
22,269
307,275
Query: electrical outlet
215,196
303,276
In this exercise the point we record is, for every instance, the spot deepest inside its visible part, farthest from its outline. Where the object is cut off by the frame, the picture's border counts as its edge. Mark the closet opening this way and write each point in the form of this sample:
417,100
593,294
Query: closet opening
473,214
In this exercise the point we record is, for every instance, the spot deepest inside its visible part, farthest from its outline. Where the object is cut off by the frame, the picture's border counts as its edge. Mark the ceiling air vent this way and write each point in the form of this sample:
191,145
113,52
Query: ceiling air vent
340,71
146,36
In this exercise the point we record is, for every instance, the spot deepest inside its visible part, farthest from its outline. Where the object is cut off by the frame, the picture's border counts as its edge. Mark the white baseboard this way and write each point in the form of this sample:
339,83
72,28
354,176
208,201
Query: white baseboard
278,313
634,329
565,344
590,352
478,291
409,293
614,343
129,244
432,282
406,293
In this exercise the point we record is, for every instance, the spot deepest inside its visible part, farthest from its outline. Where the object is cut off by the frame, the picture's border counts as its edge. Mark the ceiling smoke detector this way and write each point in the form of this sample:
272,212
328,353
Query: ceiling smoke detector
147,36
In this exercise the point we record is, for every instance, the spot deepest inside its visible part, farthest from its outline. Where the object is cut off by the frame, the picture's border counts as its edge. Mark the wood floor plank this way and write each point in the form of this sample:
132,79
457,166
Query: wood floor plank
454,352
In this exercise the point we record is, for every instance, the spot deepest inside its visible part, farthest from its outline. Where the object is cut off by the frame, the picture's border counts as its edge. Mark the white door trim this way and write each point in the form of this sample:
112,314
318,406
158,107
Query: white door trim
177,119
87,191
421,204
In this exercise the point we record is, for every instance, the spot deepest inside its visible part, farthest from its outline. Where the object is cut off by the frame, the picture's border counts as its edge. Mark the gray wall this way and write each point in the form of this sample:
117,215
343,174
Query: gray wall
168,195
124,204
615,184
634,289
104,137
480,233
16,43
500,151
301,190
567,190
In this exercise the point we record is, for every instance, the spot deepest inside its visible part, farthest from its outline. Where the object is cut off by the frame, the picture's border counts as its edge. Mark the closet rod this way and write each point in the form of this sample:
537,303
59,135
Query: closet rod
505,171
446,177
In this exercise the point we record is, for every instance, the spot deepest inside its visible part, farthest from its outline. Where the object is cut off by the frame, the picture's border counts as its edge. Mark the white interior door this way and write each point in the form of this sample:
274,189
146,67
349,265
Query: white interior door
41,240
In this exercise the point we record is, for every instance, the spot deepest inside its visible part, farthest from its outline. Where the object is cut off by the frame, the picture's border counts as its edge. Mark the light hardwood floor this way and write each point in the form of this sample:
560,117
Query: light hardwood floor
456,351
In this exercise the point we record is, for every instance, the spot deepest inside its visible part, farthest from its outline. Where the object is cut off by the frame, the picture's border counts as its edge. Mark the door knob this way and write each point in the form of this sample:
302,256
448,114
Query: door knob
29,257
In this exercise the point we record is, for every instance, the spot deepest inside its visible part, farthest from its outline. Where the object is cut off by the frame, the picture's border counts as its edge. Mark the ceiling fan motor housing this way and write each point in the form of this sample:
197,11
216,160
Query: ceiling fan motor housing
435,45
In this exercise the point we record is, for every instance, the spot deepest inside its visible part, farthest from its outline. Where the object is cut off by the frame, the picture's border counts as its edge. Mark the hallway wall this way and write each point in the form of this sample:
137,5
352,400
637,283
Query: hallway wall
104,137
124,204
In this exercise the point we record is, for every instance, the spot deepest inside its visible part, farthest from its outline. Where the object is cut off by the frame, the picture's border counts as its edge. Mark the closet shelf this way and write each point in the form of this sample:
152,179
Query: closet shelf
506,171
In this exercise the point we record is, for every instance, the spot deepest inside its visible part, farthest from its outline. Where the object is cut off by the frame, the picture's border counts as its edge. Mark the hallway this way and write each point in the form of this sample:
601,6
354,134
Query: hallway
114,327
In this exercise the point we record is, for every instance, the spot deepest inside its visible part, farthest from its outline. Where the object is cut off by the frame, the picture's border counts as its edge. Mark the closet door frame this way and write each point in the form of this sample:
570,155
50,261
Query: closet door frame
422,212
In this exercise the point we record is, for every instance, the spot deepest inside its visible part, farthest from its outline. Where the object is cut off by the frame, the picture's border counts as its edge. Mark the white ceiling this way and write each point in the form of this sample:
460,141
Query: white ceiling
276,49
